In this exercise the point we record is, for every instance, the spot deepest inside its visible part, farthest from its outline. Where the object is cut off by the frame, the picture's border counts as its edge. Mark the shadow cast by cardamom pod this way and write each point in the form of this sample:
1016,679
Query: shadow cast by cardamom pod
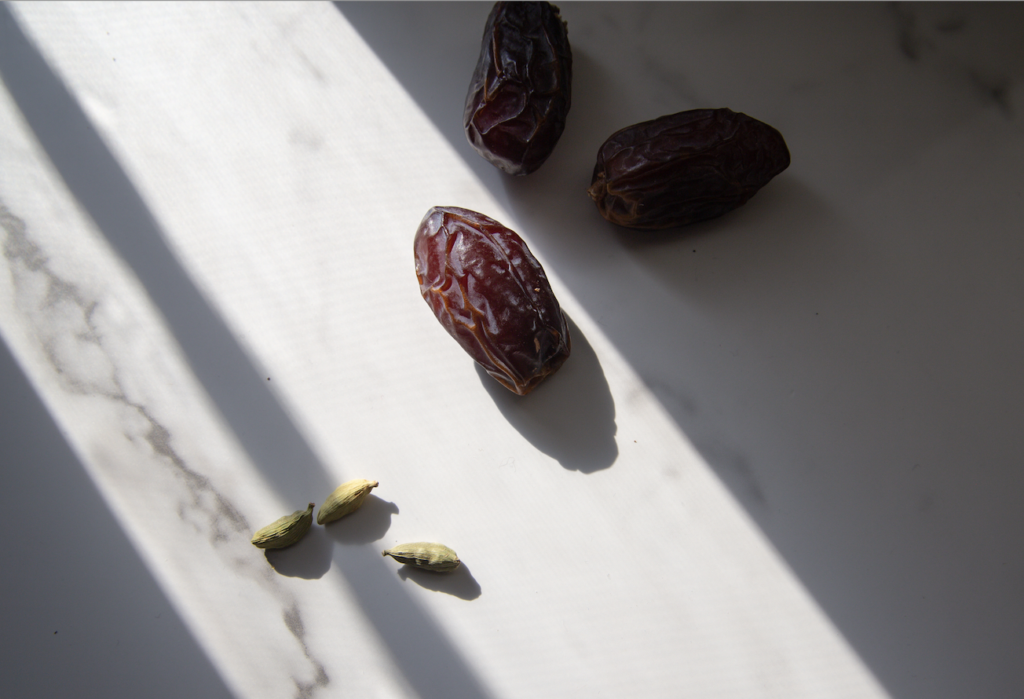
459,583
309,558
367,524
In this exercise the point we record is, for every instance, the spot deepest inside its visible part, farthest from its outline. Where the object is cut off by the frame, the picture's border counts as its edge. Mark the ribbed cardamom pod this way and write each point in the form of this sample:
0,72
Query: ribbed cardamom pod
284,531
346,499
436,557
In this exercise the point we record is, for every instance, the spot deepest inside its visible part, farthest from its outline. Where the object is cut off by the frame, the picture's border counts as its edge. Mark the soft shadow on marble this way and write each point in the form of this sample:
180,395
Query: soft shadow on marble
310,558
433,666
459,583
570,416
74,588
367,524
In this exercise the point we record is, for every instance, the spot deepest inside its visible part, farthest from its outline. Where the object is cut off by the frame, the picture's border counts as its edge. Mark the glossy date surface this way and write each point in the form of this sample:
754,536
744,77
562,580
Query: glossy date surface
685,167
519,95
491,294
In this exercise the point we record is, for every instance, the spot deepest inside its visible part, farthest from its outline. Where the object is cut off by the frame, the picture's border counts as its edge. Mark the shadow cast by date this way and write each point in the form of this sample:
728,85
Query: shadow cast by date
571,415
459,583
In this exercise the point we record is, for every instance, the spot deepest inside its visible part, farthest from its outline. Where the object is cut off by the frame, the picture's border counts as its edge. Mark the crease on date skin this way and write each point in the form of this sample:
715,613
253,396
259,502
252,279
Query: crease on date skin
67,310
491,295
520,92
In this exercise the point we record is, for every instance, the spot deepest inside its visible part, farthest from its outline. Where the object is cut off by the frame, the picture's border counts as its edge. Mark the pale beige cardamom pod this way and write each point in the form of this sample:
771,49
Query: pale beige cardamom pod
422,554
285,531
346,499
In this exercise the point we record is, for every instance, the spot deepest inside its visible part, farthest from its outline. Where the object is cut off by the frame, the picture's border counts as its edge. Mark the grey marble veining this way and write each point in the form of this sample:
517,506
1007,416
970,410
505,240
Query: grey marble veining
72,321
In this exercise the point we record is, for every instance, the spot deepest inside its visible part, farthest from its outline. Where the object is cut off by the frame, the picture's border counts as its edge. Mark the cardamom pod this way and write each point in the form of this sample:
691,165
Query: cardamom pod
346,499
285,531
436,557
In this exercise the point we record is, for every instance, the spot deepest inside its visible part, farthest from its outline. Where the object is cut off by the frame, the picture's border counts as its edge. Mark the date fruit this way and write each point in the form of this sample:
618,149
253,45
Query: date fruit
684,168
520,91
491,294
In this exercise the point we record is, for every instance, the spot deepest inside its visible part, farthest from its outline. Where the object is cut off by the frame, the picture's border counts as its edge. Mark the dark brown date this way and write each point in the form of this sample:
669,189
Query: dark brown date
491,294
684,168
520,92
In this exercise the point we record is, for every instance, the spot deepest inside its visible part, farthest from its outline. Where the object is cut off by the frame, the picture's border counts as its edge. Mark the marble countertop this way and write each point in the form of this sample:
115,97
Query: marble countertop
785,459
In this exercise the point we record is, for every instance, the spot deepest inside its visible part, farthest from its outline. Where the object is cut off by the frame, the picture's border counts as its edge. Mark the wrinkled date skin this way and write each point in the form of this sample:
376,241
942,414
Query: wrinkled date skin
491,294
520,92
684,168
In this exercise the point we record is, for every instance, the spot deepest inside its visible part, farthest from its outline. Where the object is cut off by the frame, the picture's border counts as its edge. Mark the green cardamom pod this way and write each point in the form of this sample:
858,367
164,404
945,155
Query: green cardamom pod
285,531
346,499
436,557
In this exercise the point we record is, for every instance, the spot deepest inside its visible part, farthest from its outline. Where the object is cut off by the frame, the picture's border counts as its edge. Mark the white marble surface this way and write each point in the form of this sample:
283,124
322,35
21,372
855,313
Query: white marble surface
784,459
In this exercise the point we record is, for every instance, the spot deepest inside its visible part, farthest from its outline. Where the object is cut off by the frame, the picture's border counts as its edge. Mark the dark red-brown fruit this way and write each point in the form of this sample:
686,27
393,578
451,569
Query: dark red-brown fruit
520,92
491,294
684,168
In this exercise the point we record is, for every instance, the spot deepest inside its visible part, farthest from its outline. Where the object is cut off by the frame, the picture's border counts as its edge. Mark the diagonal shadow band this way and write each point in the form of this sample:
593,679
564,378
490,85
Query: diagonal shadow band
111,594
260,423
97,181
